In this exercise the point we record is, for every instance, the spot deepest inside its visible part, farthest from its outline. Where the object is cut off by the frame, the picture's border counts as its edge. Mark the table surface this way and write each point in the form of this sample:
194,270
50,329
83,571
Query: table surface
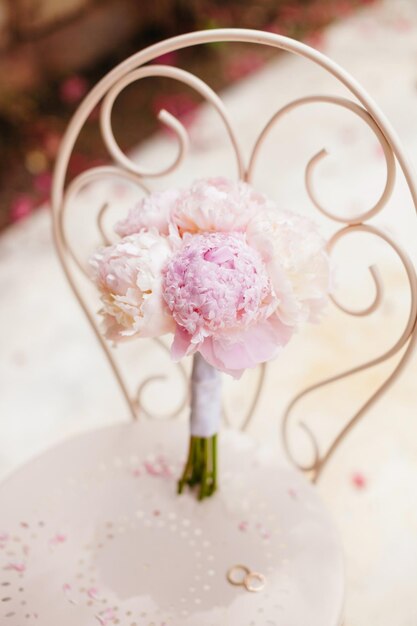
55,383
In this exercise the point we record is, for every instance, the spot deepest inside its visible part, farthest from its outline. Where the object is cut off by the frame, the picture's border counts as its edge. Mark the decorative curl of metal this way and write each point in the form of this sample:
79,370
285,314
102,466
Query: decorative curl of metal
166,118
76,185
136,68
319,460
369,120
139,402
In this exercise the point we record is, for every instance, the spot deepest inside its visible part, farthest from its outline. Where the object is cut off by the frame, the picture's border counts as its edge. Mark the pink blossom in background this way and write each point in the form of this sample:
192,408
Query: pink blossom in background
43,182
294,12
51,142
278,29
242,65
21,207
342,8
169,58
73,89
180,105
317,13
317,40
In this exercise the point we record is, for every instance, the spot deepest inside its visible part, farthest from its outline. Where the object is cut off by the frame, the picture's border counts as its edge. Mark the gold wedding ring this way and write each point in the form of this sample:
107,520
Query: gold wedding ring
242,576
254,581
237,575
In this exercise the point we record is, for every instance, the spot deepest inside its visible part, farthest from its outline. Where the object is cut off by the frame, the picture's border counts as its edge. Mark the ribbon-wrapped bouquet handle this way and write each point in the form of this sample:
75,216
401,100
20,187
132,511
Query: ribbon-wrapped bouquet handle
205,415
228,273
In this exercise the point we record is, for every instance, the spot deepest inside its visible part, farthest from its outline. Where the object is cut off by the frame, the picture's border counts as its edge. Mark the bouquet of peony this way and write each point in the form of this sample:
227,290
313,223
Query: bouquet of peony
225,271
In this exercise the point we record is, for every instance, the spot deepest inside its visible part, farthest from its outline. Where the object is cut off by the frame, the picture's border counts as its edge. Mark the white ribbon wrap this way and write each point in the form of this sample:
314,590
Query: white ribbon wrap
206,407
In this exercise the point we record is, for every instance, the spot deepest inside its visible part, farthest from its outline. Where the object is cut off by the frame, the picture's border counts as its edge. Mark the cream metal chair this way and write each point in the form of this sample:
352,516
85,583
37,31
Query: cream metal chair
125,549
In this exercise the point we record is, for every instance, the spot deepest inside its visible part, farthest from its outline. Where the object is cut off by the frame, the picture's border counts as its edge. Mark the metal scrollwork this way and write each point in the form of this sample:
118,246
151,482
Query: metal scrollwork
74,188
368,119
142,408
166,118
139,67
319,461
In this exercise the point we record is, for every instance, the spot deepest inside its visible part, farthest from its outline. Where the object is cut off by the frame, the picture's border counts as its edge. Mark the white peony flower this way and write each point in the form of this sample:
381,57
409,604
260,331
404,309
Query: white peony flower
128,275
295,254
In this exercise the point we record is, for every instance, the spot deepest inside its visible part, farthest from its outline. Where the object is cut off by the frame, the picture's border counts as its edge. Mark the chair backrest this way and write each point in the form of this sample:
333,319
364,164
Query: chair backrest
139,67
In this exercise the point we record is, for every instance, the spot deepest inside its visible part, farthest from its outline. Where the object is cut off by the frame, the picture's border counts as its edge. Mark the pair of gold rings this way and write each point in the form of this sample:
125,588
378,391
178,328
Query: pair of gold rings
242,576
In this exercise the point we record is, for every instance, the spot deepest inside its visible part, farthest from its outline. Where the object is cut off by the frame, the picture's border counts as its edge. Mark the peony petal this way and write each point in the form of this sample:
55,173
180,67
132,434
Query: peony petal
217,205
248,348
181,345
160,322
208,353
294,251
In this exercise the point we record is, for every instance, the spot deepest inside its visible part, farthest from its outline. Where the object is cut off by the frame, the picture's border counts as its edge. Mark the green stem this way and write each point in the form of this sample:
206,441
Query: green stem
203,484
214,456
201,466
197,464
188,466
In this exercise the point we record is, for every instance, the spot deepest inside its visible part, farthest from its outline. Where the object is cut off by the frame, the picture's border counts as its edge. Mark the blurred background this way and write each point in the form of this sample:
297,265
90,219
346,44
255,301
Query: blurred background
54,382
53,51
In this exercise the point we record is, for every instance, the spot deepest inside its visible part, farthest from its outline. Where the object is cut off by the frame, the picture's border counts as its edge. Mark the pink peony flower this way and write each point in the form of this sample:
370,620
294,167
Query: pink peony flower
153,211
128,275
217,205
222,301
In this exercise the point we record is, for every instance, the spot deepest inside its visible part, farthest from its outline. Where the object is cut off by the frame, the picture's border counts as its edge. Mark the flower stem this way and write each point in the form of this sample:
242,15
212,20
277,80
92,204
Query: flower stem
214,457
201,466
